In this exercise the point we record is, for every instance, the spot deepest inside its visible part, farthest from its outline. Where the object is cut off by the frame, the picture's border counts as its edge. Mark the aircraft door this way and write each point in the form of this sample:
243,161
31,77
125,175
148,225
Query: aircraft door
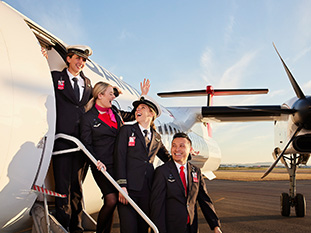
27,115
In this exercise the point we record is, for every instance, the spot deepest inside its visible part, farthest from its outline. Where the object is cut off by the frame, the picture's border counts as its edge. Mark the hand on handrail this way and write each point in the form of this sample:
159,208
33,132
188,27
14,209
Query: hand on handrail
122,198
100,165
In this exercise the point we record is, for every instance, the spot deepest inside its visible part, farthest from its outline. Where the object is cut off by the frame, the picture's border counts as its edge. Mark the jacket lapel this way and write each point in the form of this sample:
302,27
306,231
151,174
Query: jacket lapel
140,135
190,178
155,139
175,173
68,90
87,89
118,117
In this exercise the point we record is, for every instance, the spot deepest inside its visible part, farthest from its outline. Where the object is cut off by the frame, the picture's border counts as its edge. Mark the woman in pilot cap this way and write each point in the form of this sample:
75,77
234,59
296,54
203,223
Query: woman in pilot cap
136,148
99,127
72,91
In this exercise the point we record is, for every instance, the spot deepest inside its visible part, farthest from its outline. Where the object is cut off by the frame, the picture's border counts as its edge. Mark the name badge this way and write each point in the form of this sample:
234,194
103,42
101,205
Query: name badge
195,177
61,85
132,141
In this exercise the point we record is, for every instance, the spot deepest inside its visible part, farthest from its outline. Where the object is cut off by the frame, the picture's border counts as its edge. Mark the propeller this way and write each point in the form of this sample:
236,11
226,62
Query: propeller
282,154
295,85
301,119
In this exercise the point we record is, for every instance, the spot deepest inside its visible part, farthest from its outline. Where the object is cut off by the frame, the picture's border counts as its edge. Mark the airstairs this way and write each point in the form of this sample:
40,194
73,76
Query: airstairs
42,224
45,222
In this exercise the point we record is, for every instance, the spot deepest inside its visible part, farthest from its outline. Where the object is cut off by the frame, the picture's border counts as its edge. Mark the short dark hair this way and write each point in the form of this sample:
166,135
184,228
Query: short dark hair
182,135
69,55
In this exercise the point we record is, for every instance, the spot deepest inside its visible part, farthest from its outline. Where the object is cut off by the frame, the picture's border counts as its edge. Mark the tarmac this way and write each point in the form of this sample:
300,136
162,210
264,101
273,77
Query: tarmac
252,207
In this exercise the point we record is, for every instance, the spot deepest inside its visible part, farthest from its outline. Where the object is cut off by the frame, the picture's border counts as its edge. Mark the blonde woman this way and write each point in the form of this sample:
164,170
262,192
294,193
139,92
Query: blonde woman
137,145
99,128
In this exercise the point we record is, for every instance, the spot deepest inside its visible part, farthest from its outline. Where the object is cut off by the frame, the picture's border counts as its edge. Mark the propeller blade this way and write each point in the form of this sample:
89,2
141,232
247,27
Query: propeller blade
295,85
281,155
215,92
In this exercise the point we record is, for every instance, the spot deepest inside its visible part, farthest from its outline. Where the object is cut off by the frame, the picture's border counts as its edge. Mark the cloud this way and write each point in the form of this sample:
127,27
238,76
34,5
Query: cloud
303,33
229,30
207,65
302,53
234,74
125,35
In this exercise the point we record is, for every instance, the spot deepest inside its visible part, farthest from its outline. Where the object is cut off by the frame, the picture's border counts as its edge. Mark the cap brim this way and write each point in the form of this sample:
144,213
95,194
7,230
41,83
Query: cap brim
148,103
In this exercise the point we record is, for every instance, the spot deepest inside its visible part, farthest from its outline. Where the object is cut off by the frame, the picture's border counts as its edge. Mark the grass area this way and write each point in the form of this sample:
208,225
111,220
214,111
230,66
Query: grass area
255,173
242,168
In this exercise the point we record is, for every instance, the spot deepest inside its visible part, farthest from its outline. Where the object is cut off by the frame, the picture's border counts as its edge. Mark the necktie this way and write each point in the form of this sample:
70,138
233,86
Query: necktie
76,88
147,141
183,179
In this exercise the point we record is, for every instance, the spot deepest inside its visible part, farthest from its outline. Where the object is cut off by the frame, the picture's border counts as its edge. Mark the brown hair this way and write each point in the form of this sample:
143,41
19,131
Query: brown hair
69,55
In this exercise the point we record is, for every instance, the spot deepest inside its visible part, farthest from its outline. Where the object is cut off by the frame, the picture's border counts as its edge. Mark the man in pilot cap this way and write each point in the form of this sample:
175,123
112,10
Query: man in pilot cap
72,92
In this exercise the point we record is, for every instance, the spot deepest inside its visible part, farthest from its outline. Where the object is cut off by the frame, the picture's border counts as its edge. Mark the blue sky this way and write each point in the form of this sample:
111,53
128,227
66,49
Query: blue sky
182,45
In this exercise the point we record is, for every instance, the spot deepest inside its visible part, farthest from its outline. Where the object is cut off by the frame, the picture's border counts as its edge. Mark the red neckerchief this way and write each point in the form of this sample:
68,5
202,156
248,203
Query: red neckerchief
107,117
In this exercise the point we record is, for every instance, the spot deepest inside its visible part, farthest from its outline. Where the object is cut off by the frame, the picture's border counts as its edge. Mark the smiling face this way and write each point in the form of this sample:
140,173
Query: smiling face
105,99
144,115
76,64
180,150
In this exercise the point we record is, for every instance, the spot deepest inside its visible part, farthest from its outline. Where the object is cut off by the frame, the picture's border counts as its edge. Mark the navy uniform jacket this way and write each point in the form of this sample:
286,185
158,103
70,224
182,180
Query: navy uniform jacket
133,163
98,137
68,108
169,204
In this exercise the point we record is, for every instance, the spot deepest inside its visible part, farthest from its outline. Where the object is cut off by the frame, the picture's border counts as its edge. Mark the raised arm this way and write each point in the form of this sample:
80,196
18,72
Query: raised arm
145,86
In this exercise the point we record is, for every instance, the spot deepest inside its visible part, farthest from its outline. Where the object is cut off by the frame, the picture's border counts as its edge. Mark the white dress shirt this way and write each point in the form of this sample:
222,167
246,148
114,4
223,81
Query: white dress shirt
185,170
80,82
142,131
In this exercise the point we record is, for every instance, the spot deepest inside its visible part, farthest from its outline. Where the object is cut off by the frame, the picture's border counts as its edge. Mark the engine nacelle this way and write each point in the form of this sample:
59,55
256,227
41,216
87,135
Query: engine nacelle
302,143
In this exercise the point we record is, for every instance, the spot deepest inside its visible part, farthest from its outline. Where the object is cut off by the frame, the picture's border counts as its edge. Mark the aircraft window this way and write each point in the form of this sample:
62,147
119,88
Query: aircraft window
115,103
165,129
171,130
160,130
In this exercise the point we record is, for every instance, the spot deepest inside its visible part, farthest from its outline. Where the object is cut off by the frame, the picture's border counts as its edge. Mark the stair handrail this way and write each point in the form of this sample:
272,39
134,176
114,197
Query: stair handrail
106,174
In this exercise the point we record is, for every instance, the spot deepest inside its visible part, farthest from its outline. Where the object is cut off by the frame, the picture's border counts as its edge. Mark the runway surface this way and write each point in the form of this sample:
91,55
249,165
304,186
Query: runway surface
245,206
253,206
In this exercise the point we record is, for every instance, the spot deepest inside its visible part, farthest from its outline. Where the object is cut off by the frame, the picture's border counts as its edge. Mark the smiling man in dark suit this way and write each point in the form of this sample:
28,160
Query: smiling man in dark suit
72,92
177,187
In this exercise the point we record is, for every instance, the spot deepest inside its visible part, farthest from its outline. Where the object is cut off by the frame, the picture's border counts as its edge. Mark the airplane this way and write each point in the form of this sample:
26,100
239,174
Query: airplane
28,119
292,122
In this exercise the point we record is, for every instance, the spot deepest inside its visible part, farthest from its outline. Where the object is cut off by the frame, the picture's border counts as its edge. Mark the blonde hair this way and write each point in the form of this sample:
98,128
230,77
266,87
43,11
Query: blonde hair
99,87
153,118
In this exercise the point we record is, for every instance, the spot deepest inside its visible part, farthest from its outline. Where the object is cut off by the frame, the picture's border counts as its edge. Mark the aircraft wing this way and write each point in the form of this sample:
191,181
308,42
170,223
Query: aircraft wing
227,113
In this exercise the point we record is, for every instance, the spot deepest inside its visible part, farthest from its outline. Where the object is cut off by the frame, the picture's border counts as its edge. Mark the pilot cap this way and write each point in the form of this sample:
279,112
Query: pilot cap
80,50
144,99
